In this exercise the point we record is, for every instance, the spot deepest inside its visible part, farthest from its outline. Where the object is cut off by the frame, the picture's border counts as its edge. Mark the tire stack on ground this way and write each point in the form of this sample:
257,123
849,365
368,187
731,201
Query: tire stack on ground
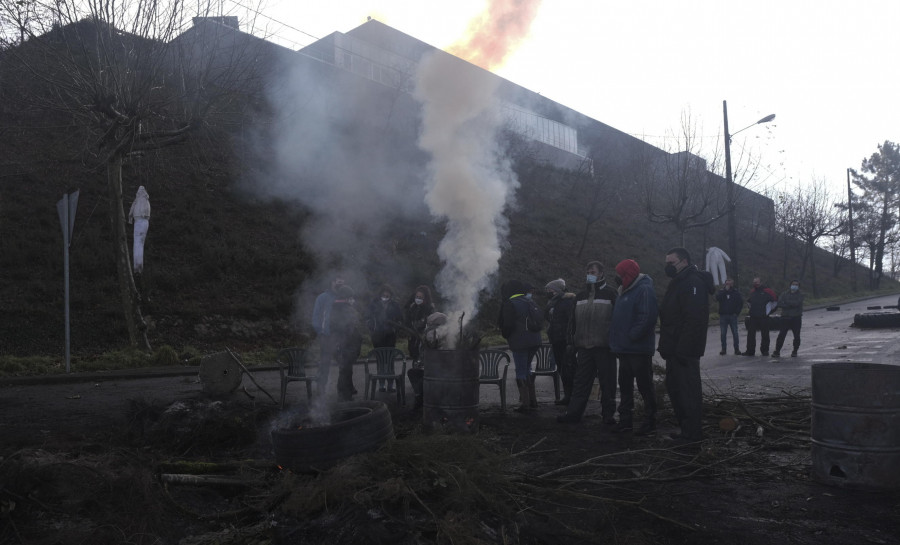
871,320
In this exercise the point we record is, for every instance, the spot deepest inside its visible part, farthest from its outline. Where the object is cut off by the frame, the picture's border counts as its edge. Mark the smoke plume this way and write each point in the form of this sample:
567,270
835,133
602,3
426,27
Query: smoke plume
470,181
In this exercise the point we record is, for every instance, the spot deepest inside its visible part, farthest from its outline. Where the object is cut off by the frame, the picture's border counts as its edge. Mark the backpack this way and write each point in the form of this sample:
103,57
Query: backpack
534,317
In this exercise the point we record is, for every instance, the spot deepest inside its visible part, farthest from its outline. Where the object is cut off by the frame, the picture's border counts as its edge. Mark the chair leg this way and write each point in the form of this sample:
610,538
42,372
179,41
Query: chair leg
502,397
556,385
283,393
308,391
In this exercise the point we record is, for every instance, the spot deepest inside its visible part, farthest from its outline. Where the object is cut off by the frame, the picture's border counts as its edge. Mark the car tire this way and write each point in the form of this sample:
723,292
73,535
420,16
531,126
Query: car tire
877,320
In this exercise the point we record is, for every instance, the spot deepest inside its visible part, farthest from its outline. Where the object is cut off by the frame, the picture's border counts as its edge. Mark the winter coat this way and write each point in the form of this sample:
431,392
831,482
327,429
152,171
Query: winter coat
791,304
321,319
730,301
512,325
684,314
633,328
589,326
415,315
758,299
344,322
558,312
380,315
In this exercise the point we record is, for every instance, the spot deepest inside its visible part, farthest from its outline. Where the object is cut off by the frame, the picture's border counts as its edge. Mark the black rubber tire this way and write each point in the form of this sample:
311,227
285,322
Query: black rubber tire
832,308
774,323
877,320
314,448
874,307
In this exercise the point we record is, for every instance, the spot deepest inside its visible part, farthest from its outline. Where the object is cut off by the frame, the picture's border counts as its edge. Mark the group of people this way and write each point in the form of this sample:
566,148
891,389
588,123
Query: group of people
602,325
761,303
337,322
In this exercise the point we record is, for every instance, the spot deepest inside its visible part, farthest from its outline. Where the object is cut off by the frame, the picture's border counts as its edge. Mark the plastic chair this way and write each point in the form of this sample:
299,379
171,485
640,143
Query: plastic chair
489,361
545,366
385,360
292,368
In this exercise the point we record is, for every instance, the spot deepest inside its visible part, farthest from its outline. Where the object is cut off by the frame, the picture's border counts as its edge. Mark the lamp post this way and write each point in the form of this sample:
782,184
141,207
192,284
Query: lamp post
729,187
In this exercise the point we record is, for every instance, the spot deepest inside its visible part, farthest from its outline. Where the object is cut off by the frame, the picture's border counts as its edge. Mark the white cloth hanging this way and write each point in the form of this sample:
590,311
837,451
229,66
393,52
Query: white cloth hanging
715,263
139,215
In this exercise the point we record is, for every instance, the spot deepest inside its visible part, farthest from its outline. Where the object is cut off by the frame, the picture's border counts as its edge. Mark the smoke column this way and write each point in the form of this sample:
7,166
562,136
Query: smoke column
470,180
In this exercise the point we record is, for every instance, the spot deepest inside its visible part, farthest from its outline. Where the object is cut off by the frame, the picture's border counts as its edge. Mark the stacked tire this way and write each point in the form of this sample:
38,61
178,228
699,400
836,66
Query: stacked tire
872,320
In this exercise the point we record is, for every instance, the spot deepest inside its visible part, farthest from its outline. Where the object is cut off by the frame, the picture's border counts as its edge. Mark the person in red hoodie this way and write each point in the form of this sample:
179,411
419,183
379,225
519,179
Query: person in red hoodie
760,302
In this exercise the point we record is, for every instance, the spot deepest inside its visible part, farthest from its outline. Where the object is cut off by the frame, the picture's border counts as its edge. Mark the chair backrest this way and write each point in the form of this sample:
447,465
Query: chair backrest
295,358
544,362
385,358
490,361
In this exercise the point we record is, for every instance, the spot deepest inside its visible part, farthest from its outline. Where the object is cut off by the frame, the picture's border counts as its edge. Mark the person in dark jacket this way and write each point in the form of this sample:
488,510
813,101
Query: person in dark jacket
791,305
382,317
759,302
345,332
730,306
632,337
684,320
418,309
523,343
589,333
560,304
321,323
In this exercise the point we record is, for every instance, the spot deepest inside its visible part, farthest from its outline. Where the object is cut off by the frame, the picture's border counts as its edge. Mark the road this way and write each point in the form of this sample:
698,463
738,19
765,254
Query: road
826,336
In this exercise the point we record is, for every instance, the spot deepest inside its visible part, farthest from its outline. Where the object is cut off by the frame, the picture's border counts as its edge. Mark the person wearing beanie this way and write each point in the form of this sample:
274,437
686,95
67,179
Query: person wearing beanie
589,333
383,315
560,304
632,337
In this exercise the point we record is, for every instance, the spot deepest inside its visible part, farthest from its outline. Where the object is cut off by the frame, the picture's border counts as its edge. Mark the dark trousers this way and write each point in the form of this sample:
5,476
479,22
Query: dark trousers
726,322
565,364
686,394
327,348
793,324
761,324
591,363
636,368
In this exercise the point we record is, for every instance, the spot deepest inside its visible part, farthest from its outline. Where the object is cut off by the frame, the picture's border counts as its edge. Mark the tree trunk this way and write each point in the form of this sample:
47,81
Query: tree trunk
128,292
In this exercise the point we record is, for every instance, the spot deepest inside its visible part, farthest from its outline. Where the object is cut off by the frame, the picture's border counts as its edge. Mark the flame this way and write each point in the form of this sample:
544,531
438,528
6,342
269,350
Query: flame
496,32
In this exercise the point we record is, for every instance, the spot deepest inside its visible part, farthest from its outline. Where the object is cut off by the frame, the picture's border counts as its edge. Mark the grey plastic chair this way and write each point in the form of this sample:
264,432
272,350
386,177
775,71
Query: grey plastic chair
385,362
292,368
489,361
545,366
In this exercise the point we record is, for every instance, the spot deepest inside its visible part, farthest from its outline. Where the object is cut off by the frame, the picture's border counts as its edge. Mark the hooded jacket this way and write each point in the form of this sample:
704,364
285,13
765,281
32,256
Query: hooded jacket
511,321
758,299
730,301
633,328
791,304
589,325
684,314
559,311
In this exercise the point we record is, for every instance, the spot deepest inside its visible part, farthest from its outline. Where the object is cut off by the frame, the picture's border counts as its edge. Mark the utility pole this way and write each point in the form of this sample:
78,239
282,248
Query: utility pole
852,242
729,194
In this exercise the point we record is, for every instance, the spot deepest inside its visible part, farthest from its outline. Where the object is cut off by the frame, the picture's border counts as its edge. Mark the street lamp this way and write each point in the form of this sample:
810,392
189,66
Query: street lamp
729,186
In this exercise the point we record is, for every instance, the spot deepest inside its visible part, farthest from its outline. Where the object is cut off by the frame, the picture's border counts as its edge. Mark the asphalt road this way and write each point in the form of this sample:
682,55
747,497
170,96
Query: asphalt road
826,336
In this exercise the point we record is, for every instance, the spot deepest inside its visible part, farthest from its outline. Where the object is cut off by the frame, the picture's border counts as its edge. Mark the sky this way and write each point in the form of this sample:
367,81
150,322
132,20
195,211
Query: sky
825,68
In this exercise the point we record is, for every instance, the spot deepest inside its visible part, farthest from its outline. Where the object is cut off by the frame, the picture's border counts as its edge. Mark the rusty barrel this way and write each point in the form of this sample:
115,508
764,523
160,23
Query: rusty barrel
450,391
856,424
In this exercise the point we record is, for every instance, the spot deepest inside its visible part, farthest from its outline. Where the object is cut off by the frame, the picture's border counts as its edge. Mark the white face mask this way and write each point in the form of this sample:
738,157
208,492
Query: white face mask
528,296
419,300
591,278
385,299
795,288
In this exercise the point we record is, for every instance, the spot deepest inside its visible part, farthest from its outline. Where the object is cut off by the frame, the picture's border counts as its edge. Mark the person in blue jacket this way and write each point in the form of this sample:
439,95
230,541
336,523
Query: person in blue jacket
632,337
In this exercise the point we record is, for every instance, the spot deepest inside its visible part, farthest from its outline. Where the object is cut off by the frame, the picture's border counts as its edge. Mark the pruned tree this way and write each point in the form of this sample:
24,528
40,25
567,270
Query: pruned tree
879,180
129,75
679,187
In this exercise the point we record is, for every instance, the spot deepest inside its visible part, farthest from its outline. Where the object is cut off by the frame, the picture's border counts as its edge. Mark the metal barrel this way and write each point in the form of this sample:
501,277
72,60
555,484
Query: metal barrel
450,391
856,424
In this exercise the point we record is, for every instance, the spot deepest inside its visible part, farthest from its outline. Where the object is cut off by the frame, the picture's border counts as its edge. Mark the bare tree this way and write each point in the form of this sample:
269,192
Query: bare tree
119,69
815,217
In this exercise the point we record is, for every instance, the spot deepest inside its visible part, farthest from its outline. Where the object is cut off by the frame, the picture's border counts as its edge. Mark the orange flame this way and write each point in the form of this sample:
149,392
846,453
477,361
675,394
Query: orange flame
496,32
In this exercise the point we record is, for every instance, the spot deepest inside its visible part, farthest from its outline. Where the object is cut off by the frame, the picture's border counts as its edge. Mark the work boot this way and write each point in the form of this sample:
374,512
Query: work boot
722,353
794,353
532,396
524,397
776,354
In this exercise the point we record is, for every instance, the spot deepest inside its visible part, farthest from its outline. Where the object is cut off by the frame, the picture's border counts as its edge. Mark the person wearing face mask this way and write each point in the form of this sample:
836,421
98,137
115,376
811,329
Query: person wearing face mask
791,304
683,324
730,305
589,333
760,302
523,342
632,337
560,304
382,316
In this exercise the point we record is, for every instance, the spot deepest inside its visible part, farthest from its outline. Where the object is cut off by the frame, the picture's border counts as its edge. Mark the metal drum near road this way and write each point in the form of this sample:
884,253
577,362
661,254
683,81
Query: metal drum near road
856,424
450,391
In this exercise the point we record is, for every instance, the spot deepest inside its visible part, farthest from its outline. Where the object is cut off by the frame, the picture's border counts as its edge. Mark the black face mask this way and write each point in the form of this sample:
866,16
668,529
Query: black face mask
671,271
618,280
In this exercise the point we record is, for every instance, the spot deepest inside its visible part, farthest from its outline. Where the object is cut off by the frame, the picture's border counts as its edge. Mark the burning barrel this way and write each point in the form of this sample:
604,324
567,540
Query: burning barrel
856,424
450,390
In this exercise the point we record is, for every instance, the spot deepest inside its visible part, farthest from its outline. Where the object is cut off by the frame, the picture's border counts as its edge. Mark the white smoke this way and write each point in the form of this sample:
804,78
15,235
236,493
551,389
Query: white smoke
470,181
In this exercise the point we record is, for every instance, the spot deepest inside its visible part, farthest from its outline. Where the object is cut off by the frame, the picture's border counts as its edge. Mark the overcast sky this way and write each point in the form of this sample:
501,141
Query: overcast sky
827,69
